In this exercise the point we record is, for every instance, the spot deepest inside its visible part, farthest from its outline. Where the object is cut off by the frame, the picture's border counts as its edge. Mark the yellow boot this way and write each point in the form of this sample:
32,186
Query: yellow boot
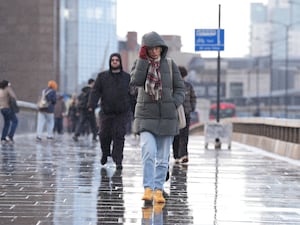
158,197
147,212
158,207
148,194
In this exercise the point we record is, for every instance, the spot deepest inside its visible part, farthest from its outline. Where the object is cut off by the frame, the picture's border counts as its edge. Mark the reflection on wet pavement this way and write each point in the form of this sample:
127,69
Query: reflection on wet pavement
62,183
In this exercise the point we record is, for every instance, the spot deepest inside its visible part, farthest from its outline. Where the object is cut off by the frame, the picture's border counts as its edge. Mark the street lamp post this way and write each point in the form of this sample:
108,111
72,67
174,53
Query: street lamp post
270,56
271,77
286,38
257,113
287,29
286,71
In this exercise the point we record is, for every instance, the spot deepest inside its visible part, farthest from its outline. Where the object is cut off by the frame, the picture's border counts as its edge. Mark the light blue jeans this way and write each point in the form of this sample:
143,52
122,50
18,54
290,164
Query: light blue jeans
43,118
155,156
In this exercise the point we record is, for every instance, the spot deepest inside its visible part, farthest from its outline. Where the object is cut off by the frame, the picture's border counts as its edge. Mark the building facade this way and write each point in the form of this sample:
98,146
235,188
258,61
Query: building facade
29,45
88,37
64,40
275,29
275,32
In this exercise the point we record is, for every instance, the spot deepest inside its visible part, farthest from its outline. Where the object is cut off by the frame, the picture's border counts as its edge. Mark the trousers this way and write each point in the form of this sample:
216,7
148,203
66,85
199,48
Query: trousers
155,157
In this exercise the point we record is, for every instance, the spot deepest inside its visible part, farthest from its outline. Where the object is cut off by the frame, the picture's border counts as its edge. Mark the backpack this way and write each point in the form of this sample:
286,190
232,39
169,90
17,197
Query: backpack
43,102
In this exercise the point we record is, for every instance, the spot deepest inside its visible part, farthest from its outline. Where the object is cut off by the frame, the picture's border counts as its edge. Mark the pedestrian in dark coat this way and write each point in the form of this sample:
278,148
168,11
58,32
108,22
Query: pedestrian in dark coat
73,115
59,113
9,116
112,89
180,143
87,118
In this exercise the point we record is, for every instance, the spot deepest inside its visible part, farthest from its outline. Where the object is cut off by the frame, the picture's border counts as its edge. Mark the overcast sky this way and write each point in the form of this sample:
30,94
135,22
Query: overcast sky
182,17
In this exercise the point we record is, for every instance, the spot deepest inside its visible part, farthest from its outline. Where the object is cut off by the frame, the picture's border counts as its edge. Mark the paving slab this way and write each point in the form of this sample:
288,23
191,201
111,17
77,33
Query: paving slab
61,182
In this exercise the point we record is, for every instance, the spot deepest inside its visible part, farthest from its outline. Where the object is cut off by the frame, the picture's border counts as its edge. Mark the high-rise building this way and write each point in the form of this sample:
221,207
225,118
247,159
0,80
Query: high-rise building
274,28
275,32
259,34
88,36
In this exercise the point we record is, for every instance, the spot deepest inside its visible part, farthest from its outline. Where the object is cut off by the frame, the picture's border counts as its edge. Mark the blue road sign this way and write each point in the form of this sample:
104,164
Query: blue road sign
209,39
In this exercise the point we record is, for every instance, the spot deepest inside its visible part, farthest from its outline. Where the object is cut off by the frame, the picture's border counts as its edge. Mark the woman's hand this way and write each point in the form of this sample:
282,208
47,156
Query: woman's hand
143,52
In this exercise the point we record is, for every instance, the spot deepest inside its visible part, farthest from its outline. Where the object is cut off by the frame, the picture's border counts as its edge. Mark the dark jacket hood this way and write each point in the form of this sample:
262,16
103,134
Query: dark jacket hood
117,55
153,39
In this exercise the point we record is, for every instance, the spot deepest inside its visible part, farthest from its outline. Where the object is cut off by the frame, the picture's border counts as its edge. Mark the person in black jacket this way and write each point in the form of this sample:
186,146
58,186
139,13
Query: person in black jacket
85,115
112,88
180,142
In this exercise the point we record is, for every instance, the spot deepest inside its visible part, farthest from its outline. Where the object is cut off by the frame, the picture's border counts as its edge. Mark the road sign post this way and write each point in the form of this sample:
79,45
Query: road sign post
212,40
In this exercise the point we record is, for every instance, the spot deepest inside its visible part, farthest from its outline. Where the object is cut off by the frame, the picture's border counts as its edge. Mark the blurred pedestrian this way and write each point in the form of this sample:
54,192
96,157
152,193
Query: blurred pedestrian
59,114
87,118
180,143
9,116
73,114
46,115
156,117
112,88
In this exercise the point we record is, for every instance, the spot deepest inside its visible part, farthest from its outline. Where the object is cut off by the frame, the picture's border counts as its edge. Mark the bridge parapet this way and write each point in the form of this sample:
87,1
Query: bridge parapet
280,136
27,118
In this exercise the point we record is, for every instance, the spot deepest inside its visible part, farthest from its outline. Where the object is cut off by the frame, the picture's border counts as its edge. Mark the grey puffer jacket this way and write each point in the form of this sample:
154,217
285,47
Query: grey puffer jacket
158,117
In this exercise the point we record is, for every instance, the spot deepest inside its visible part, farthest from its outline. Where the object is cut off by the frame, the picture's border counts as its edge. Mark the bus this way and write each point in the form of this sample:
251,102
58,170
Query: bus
226,110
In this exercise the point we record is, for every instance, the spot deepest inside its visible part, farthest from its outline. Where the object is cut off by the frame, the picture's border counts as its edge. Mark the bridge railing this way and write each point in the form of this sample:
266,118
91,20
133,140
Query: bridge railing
280,136
27,118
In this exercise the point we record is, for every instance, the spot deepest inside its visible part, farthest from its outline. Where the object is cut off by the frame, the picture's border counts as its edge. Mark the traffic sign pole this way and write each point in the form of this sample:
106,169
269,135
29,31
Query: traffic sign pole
219,75
212,40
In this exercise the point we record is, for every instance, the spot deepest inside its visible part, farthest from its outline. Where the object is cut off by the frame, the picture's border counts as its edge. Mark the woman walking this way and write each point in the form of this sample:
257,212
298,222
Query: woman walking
9,116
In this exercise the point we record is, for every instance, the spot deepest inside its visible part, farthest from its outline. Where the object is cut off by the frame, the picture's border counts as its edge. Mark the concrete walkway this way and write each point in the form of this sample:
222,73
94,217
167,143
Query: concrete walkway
62,183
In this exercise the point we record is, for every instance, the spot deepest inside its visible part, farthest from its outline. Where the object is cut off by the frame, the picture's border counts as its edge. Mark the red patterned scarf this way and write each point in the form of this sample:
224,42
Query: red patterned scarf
153,85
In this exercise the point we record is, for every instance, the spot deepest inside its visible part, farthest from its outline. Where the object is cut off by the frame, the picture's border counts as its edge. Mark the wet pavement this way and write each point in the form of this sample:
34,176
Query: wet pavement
62,183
